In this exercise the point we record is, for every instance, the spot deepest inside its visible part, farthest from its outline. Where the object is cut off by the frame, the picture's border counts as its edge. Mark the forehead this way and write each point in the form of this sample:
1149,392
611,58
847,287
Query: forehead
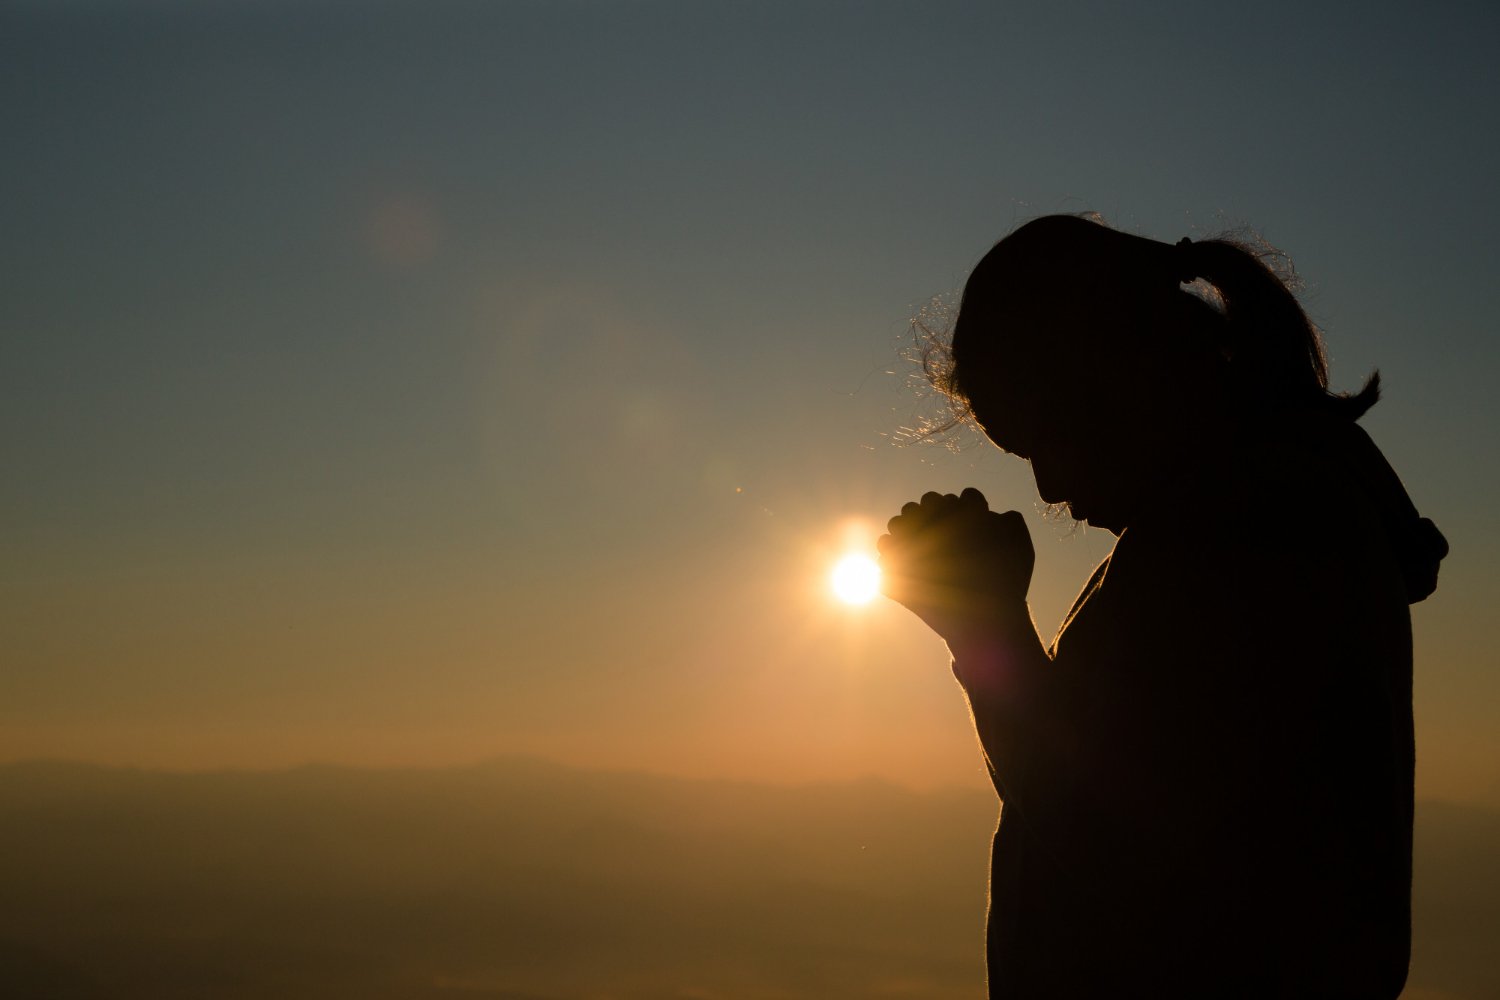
1009,408
1024,380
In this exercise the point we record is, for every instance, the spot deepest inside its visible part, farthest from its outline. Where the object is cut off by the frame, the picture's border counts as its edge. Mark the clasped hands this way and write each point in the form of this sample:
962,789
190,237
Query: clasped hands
959,566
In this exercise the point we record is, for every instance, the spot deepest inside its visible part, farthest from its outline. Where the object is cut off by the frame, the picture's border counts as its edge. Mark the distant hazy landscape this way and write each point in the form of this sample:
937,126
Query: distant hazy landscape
523,880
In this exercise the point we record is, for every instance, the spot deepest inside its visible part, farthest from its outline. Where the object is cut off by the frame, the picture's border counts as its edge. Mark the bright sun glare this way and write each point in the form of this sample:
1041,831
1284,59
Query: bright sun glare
855,579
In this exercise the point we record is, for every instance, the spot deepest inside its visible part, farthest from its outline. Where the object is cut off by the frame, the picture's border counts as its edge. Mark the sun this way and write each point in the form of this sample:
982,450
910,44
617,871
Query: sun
855,579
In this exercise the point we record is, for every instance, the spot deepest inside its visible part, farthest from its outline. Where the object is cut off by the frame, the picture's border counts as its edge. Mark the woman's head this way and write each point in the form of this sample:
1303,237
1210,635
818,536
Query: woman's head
1077,347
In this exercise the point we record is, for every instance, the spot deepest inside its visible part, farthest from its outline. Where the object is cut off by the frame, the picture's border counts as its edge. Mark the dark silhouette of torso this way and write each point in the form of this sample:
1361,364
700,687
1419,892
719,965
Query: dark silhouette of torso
1208,790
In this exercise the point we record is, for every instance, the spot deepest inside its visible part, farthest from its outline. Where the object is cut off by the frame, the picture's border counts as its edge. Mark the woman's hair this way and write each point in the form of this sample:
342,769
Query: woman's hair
1068,268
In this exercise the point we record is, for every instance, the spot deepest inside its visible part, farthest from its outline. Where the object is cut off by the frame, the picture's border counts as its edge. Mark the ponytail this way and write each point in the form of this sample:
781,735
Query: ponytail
1273,354
1272,347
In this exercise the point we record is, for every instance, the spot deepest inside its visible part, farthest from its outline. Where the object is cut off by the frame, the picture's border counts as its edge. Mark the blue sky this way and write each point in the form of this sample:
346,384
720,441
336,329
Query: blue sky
429,380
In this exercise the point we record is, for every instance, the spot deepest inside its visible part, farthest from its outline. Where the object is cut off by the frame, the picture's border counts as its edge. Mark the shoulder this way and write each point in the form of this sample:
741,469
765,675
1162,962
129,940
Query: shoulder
1268,498
1281,550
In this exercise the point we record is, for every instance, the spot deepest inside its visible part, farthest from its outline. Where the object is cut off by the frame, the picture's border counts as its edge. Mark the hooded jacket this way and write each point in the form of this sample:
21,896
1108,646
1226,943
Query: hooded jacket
1208,790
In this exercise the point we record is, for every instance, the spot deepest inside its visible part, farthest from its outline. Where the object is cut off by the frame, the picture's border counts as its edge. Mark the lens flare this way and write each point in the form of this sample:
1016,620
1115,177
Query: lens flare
855,579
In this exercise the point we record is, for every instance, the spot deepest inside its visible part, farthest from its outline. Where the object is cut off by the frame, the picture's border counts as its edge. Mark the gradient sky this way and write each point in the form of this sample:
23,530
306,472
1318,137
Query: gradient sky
413,383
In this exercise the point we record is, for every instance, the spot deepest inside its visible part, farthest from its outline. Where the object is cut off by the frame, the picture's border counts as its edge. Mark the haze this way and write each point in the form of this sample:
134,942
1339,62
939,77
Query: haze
409,385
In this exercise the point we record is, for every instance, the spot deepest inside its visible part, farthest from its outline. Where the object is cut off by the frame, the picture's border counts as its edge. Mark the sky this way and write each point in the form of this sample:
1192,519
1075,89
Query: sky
419,383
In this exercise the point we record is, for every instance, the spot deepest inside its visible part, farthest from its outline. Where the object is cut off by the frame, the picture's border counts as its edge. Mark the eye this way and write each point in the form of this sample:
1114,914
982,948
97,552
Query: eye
1010,447
1009,442
1006,442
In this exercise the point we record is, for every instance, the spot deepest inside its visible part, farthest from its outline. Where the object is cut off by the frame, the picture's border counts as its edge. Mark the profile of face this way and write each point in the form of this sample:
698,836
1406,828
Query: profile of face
1086,435
1092,385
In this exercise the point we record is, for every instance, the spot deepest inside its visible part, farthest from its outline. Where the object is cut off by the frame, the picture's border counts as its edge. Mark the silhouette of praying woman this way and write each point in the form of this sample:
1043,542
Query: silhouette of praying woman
1207,776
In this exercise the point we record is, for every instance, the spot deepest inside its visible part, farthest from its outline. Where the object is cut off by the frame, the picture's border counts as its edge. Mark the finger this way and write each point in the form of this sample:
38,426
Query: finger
893,583
933,500
894,559
1013,526
1011,523
972,496
1013,520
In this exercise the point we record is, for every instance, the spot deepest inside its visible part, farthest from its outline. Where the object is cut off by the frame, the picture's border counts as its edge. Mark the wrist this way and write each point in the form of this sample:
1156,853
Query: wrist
1007,627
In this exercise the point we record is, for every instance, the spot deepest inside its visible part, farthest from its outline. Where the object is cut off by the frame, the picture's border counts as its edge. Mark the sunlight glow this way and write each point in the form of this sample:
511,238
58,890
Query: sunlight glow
855,579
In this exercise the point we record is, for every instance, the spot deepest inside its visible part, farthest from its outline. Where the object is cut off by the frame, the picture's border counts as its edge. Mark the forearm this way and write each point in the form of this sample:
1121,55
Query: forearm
1003,669
992,659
